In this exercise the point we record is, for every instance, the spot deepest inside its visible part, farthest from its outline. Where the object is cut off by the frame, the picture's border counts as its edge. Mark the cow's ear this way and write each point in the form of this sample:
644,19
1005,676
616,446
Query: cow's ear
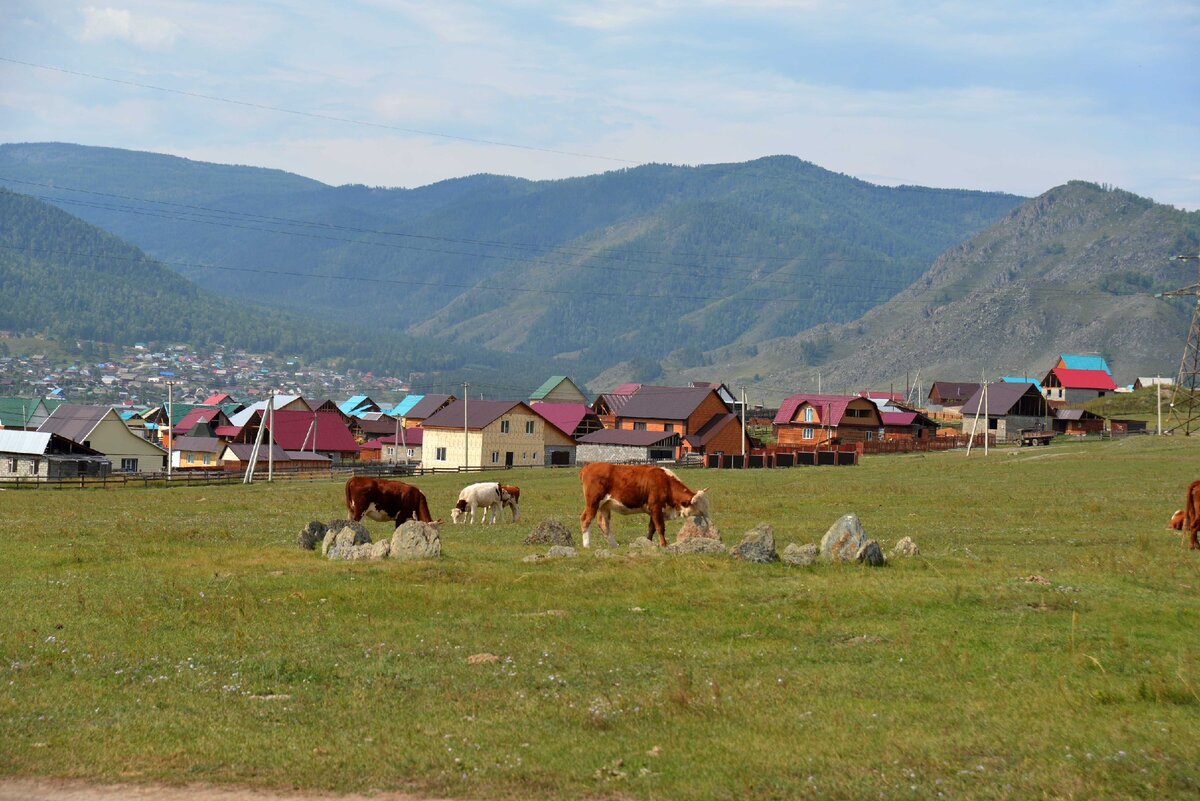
700,492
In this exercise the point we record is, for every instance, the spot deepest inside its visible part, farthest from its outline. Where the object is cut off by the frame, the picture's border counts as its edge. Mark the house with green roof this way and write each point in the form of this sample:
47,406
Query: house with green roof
559,389
25,413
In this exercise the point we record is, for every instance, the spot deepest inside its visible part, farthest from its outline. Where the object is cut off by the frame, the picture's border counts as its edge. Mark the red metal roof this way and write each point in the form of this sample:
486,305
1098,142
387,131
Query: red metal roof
1084,379
293,431
566,417
829,407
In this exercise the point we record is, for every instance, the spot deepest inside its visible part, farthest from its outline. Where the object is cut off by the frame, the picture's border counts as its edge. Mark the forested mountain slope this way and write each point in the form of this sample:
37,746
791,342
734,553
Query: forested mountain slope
634,264
68,279
1074,270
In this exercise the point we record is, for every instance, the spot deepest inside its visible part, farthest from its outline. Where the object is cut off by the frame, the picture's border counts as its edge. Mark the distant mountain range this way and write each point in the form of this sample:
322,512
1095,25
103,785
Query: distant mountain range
764,272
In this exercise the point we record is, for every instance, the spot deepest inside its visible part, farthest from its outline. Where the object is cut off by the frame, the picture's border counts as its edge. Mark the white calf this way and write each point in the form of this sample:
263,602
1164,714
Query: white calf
488,495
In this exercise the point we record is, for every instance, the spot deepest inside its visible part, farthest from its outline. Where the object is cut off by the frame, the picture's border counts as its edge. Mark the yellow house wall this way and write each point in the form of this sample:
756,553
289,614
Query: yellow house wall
112,438
527,449
565,392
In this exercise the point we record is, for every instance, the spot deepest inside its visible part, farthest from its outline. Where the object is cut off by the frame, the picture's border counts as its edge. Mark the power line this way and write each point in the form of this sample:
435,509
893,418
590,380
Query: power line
313,115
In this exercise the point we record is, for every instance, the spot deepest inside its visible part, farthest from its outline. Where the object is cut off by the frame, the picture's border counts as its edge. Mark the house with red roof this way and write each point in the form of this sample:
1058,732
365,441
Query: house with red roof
314,432
405,448
1063,386
806,420
566,423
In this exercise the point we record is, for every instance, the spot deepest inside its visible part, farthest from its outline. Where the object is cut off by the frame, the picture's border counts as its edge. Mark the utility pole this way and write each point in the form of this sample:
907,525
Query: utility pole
271,425
743,425
466,436
396,441
1185,405
170,428
1158,403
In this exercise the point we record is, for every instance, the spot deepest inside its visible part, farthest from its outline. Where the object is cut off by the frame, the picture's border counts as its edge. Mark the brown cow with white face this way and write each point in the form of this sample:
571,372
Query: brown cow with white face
1190,524
635,489
381,499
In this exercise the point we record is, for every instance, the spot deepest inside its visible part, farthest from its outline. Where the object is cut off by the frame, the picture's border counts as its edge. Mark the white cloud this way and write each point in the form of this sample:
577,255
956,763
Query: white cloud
100,24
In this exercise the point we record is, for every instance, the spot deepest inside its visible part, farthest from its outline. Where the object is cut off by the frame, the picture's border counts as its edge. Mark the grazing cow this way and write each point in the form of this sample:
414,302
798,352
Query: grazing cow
381,499
1191,516
633,489
514,498
1176,523
487,495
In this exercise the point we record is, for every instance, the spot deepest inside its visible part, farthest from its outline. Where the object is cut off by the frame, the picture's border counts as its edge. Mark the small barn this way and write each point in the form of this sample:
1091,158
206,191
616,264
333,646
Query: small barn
42,455
627,445
950,395
1078,422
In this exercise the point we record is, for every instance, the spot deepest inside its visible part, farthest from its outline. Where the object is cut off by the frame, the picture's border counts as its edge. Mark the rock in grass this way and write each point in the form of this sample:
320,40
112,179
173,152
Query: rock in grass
549,532
697,545
698,528
334,528
905,547
800,555
757,545
367,552
843,539
416,540
871,554
310,535
561,552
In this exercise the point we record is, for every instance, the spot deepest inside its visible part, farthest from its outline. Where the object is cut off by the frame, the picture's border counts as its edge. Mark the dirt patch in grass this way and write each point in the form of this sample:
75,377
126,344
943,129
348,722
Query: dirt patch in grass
67,790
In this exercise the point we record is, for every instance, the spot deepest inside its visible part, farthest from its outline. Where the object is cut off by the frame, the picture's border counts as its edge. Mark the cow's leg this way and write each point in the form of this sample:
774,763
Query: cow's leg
585,523
606,526
657,523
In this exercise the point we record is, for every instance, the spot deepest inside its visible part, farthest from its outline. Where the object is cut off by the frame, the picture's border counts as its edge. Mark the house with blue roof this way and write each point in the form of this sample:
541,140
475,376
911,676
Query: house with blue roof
1009,379
1082,362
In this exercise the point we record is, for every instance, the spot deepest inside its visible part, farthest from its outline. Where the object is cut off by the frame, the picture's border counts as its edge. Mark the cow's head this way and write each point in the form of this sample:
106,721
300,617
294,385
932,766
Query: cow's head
698,506
458,512
1176,521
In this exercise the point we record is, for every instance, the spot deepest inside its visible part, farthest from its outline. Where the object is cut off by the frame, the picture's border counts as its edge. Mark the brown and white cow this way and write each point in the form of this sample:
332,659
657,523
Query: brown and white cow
1191,516
635,489
512,501
487,495
381,499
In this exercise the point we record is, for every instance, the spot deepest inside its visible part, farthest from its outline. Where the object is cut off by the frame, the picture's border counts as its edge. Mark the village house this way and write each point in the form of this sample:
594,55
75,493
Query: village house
558,389
102,429
492,434
1062,386
949,396
1009,409
608,404
703,417
628,445
46,456
1077,422
402,449
313,432
815,420
415,409
568,422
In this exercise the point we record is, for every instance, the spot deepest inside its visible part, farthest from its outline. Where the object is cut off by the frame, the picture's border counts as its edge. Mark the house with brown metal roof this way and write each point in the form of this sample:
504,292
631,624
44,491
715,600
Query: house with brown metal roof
950,395
1003,409
704,420
102,429
424,408
628,446
483,433
812,420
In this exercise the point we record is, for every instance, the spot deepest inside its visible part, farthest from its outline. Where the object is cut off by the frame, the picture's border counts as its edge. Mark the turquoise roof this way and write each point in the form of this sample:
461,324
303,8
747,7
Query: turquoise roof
1008,379
1085,363
405,406
351,405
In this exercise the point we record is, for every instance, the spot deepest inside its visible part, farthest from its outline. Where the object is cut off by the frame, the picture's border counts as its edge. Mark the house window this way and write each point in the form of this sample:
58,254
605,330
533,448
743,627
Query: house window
808,414
503,426
410,451
129,465
37,467
441,454
807,433
639,426
204,459
495,457
528,426
12,465
669,427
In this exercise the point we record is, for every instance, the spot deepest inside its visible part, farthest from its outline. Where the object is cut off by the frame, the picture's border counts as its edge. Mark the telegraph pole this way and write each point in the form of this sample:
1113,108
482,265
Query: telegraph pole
744,426
170,427
1185,404
466,436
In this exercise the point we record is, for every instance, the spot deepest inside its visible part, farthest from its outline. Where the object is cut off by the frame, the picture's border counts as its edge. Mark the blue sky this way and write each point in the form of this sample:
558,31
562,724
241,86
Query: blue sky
1012,96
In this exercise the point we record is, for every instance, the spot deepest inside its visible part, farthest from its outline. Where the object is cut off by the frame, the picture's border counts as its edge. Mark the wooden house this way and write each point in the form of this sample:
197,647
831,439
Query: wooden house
950,395
25,413
807,420
314,432
608,404
419,408
567,423
1078,422
484,433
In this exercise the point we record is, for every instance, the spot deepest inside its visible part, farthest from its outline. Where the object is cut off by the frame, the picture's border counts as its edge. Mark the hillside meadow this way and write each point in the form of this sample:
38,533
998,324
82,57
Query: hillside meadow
180,636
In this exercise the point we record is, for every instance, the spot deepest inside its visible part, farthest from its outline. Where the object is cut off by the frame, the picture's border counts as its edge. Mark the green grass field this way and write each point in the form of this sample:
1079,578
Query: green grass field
180,636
